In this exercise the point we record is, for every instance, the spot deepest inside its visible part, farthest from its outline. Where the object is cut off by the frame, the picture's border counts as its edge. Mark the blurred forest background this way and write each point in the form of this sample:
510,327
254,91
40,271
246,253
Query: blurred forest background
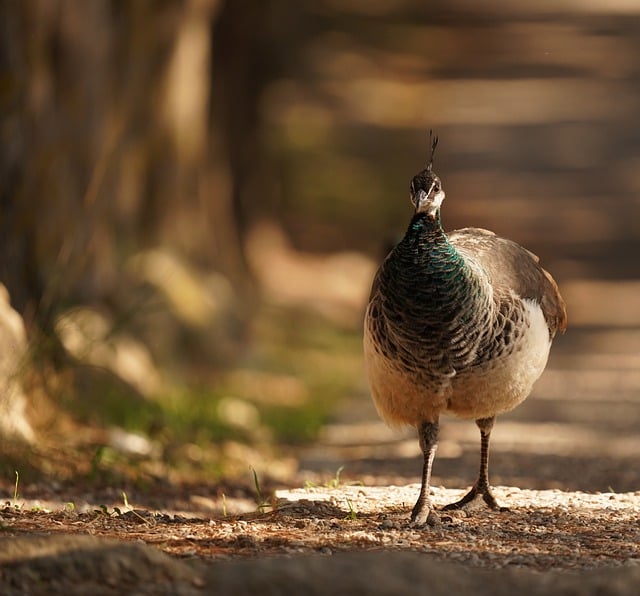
195,194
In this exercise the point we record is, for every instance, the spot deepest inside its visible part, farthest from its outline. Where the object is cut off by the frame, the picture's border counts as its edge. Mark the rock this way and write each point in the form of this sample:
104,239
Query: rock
191,319
71,564
13,358
93,338
398,573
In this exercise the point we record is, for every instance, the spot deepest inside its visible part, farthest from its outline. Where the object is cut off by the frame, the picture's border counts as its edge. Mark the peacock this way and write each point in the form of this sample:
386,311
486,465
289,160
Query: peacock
457,323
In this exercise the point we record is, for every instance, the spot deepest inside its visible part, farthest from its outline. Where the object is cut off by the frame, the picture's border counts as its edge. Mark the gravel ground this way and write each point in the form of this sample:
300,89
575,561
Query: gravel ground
549,529
542,529
308,537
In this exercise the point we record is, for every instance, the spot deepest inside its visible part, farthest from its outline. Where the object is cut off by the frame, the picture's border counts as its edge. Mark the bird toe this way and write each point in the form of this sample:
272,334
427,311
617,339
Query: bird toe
425,518
475,499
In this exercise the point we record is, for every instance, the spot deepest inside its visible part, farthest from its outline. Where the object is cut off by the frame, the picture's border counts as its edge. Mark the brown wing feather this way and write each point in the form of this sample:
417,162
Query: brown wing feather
513,267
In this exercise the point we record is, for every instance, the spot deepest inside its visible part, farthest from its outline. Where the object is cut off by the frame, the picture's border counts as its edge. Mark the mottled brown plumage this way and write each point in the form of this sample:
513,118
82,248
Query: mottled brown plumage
459,323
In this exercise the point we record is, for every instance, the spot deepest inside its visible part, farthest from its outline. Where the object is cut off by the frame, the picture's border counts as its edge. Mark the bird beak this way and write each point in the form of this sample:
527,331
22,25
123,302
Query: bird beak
428,202
421,200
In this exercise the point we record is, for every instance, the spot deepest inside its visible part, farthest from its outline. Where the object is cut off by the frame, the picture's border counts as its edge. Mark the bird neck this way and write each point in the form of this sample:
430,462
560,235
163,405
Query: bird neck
425,253
437,296
425,240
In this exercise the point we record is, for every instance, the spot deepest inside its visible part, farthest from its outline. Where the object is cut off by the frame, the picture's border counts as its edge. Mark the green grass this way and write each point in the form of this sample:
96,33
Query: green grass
297,353
15,489
191,414
261,501
352,515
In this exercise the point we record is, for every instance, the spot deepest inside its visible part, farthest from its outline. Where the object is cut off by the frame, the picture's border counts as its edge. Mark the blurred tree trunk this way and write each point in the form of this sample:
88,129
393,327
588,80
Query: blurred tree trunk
73,88
119,132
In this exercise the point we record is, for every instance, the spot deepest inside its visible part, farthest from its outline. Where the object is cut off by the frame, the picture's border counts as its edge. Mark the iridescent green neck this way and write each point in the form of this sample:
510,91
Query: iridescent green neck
426,242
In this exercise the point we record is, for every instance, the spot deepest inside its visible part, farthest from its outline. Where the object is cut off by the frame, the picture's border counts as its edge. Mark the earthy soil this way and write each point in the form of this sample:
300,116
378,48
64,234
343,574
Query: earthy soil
50,547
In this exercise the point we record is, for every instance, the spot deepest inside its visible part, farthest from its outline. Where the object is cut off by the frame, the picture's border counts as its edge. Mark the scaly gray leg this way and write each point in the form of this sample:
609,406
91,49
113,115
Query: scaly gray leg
428,436
481,487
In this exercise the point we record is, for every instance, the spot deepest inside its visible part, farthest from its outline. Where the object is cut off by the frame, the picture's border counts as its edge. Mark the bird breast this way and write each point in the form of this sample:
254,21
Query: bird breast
504,376
482,362
431,330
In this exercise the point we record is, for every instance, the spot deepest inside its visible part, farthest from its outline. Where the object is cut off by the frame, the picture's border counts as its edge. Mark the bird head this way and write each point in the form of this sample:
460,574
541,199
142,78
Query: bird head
426,189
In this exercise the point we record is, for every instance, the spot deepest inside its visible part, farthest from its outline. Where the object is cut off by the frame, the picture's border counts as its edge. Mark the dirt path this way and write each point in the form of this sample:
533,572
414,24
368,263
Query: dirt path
103,551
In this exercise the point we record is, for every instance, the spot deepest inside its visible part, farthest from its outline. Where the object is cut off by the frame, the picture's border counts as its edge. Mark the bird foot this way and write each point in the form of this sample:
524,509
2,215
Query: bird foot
475,497
430,518
423,515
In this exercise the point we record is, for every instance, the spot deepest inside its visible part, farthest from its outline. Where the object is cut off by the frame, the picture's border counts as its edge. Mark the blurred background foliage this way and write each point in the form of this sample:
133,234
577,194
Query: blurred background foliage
195,194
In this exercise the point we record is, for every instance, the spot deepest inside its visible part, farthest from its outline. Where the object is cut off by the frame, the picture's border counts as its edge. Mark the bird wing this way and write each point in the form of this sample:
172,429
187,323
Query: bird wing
512,267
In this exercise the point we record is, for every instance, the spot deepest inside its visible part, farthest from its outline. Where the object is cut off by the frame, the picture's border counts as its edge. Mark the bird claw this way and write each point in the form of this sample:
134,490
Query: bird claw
475,497
421,519
423,514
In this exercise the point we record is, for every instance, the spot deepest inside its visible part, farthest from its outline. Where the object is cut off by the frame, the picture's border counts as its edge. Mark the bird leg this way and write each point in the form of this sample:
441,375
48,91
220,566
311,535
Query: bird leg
428,436
481,488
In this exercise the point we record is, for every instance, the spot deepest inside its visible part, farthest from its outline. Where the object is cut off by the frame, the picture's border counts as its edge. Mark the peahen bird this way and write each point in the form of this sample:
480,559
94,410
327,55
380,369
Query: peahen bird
458,323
